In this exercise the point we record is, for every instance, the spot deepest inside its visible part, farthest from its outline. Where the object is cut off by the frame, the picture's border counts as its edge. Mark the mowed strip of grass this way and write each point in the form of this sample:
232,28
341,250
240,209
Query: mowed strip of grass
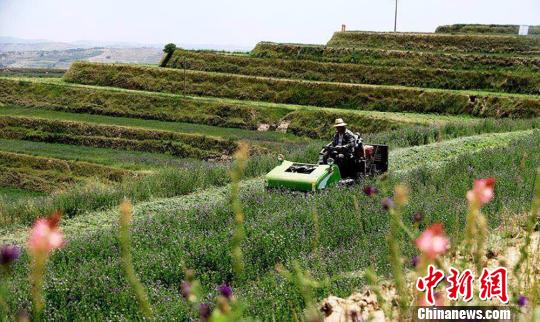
123,138
129,160
524,82
214,131
197,234
299,120
396,58
41,174
8,194
430,41
349,96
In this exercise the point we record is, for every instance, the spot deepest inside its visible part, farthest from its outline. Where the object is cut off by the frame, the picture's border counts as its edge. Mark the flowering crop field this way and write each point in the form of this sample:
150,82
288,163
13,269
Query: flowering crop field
123,197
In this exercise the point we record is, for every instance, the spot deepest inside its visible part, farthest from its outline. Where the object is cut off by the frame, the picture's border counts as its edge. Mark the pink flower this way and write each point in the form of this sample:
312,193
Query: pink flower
482,191
433,242
46,235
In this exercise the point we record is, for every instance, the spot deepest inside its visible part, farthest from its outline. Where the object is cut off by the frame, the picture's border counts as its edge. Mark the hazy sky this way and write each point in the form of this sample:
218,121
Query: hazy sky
243,22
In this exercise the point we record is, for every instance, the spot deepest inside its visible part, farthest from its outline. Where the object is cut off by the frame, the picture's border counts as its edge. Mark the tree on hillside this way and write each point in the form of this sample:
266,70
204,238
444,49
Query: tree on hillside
168,50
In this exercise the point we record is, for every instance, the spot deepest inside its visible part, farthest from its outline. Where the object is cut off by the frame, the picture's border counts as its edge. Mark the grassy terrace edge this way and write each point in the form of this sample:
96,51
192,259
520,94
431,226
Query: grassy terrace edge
348,96
395,58
120,137
302,120
523,82
432,41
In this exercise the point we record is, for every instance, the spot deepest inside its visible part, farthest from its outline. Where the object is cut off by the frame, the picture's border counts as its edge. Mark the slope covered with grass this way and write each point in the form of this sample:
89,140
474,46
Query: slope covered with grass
485,29
524,82
349,96
195,232
437,42
226,113
396,58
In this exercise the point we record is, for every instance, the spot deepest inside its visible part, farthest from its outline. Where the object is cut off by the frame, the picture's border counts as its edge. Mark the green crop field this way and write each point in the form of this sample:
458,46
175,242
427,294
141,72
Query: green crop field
188,145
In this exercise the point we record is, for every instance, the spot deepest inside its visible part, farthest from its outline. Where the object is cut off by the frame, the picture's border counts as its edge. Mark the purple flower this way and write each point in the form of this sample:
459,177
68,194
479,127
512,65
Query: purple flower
417,217
414,261
225,290
522,300
9,254
370,191
204,312
185,289
387,203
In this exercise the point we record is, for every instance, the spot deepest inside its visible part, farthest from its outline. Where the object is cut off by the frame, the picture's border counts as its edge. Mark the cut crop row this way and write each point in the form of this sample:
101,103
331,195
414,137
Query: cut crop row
103,136
396,58
437,42
525,83
348,96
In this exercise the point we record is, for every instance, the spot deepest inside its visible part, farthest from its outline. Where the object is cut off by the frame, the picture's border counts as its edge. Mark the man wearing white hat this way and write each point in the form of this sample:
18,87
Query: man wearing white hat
343,137
341,149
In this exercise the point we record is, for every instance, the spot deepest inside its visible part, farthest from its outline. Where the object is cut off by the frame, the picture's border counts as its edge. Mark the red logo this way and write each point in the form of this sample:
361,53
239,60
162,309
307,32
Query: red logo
430,282
493,284
460,285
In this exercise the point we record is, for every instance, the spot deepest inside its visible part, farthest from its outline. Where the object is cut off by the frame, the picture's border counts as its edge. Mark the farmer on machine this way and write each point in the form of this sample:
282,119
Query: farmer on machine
342,147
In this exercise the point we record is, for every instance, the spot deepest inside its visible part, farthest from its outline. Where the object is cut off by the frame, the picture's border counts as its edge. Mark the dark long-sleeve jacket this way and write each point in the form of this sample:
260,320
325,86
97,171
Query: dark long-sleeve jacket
348,140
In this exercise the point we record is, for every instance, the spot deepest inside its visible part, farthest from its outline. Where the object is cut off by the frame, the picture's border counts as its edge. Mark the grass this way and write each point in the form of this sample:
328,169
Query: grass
85,274
349,96
525,82
223,132
431,41
485,29
33,173
130,160
122,138
53,94
8,194
396,58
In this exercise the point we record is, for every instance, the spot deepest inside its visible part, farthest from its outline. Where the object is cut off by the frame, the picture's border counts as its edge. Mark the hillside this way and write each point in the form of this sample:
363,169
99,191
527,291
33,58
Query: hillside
172,140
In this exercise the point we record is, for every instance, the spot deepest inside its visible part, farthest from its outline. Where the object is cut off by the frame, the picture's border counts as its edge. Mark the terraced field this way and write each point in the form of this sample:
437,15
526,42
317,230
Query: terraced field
164,138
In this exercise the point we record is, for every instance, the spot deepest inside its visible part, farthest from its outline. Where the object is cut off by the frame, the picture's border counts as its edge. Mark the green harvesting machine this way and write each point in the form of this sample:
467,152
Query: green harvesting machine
302,176
336,165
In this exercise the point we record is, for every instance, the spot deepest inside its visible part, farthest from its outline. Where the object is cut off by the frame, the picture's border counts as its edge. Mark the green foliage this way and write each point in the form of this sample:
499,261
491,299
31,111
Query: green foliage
278,230
168,50
350,96
484,29
524,82
164,107
437,42
396,58
123,138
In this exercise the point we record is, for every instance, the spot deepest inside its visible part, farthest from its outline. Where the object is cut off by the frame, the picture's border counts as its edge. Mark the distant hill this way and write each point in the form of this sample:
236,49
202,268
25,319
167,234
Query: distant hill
63,58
